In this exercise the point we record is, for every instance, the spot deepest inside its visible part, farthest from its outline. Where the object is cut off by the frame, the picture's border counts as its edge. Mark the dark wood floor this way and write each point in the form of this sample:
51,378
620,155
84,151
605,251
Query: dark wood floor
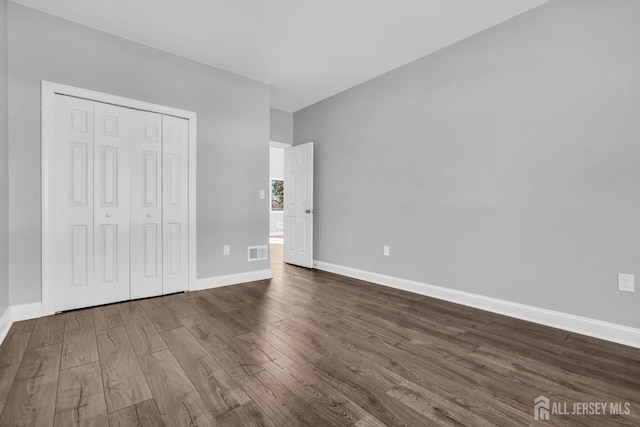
306,348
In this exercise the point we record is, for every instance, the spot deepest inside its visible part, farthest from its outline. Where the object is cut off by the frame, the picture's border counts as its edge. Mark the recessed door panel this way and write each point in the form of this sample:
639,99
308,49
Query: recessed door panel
78,260
174,259
303,228
151,250
291,233
108,176
173,180
108,125
303,187
150,131
78,173
78,119
150,178
109,253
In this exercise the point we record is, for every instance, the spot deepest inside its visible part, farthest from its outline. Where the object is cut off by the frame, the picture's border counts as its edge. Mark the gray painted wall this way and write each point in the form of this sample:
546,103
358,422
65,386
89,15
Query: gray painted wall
506,165
233,135
4,165
281,126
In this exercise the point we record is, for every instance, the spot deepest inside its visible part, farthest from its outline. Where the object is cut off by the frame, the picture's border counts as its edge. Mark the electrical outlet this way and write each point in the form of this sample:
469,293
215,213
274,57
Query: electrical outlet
226,250
385,250
625,283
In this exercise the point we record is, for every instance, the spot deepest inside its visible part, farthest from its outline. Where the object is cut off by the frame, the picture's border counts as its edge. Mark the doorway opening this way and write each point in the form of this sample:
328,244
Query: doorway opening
292,202
277,193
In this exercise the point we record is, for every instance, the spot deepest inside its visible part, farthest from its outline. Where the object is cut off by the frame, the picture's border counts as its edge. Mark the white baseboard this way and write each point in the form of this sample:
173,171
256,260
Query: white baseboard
16,313
26,311
582,325
232,279
5,323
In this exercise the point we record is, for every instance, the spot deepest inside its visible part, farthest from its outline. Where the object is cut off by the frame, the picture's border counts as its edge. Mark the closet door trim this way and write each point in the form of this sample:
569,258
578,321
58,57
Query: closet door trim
48,91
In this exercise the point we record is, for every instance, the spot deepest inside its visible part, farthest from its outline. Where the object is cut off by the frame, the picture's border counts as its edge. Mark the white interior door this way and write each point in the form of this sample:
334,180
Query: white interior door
175,137
112,127
71,196
118,199
298,205
146,204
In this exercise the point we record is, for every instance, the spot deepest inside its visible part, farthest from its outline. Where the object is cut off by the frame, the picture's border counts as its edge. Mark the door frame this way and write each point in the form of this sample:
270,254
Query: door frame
48,91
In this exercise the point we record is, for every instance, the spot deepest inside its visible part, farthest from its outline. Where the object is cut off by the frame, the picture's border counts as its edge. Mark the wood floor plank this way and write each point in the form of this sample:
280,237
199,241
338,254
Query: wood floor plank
107,317
204,371
238,365
260,350
22,327
48,330
144,335
368,391
216,316
434,407
265,312
79,344
178,401
144,414
223,299
202,305
369,421
160,315
247,415
331,406
32,400
294,350
178,306
81,397
11,352
270,405
124,381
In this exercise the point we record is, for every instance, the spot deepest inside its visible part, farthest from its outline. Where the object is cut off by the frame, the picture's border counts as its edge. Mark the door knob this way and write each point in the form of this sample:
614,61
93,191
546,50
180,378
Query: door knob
148,215
308,211
108,215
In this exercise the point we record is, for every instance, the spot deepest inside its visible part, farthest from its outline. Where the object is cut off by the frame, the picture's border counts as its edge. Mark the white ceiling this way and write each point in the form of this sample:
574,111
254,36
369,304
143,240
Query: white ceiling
307,50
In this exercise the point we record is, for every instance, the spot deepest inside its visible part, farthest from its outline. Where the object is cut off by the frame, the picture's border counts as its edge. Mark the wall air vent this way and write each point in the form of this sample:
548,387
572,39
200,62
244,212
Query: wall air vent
258,253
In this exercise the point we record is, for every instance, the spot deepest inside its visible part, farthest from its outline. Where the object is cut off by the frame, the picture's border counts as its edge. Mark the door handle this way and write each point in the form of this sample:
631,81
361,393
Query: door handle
108,215
148,215
308,211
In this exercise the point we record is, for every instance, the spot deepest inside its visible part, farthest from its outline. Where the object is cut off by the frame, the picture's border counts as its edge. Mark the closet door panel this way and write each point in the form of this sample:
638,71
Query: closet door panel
175,138
71,204
146,205
112,128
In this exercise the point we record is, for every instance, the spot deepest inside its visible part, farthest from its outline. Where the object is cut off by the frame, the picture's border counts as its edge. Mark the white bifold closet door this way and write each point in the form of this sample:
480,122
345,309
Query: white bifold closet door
146,205
119,203
175,137
111,202
71,193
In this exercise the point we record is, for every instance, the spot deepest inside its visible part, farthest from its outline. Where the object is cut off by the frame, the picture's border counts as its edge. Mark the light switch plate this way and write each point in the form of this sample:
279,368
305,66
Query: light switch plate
262,194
